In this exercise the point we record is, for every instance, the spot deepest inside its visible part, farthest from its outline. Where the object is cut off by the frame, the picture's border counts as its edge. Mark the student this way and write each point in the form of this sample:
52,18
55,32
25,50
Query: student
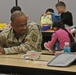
66,16
60,36
48,19
14,8
54,16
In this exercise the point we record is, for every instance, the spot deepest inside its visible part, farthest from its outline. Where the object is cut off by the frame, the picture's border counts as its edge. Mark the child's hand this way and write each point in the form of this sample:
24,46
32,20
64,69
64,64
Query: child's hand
58,52
44,14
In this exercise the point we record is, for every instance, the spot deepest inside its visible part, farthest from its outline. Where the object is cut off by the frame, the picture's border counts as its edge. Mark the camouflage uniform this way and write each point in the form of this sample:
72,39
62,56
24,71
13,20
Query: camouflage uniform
31,40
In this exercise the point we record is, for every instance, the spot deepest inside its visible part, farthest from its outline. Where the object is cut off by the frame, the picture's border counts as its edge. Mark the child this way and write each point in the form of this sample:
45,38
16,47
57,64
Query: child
46,21
15,8
60,36
55,17
66,16
50,17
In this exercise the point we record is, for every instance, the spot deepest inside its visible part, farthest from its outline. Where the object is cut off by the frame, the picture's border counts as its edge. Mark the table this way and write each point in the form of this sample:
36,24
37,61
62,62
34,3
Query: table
46,36
16,64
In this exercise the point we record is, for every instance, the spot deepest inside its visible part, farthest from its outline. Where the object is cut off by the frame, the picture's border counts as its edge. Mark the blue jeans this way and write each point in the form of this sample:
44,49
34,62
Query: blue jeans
57,46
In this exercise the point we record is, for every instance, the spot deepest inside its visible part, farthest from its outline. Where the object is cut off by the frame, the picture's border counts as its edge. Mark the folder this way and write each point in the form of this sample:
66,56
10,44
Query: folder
63,60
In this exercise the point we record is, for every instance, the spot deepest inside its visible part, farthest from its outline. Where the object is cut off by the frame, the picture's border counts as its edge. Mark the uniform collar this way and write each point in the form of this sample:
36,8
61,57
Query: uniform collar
13,37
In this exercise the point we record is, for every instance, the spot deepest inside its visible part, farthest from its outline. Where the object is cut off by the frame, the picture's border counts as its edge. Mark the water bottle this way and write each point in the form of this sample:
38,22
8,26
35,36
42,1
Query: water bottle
67,47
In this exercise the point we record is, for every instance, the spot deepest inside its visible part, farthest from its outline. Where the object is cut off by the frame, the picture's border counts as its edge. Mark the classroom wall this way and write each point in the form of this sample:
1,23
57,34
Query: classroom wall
5,6
34,8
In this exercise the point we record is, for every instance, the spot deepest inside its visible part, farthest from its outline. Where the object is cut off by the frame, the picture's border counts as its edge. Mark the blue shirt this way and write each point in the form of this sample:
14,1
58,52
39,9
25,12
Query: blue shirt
55,17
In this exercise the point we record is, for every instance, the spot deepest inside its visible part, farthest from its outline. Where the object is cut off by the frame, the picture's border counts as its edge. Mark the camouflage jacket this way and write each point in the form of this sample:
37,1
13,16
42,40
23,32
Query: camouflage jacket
31,40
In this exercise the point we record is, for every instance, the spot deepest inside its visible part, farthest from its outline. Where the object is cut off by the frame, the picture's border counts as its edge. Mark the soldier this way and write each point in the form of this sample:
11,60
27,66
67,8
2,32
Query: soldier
23,36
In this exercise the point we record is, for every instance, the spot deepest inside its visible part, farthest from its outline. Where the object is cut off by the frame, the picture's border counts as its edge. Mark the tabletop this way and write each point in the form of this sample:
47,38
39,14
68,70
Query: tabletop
18,61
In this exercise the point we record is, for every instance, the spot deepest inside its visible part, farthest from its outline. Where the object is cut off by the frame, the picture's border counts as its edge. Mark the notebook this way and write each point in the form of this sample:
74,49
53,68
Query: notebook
63,60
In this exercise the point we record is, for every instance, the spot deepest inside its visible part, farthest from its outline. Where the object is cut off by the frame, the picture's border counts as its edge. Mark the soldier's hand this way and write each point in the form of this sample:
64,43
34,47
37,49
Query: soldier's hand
2,51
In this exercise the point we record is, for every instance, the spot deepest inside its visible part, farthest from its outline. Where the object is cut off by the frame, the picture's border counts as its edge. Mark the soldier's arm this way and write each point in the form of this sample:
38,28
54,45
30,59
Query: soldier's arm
33,43
2,39
2,42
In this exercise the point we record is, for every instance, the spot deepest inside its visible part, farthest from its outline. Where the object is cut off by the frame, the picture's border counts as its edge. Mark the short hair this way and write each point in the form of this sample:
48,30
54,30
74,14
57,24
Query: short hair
50,10
15,8
60,3
59,24
16,14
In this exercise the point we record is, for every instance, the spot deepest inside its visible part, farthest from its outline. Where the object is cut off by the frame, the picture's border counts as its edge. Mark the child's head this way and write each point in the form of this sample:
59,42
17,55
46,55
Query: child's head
49,11
61,7
15,8
57,25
